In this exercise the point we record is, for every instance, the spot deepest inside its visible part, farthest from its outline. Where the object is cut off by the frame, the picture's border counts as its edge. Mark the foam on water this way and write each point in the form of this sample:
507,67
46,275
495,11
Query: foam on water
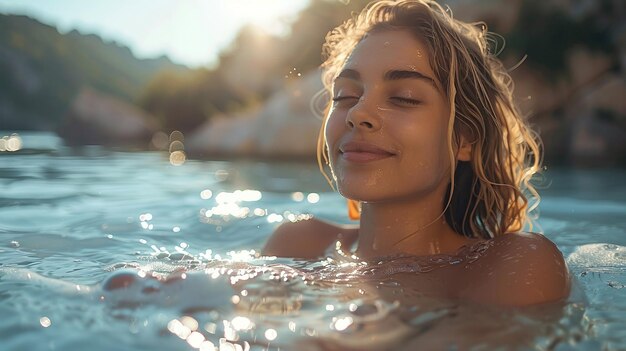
259,302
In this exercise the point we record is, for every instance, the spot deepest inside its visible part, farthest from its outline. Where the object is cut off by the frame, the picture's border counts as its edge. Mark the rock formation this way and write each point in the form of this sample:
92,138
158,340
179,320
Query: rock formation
100,119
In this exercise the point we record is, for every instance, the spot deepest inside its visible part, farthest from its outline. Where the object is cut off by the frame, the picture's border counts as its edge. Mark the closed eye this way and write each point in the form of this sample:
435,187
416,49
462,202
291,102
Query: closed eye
342,98
346,101
404,101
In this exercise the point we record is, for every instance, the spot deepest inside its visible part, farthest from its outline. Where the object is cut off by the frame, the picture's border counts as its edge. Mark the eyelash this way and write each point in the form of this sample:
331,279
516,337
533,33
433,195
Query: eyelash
341,98
405,100
393,98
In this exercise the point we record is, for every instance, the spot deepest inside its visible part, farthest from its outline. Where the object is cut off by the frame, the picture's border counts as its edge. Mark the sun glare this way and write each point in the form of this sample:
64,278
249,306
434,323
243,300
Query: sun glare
193,25
270,15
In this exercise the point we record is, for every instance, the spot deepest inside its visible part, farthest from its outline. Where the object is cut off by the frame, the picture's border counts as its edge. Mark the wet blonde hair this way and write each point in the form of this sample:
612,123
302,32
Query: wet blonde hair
487,196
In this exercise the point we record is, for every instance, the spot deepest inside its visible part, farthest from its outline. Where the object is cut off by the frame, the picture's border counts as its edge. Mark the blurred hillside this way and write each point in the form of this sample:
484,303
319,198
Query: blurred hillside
567,58
254,67
42,71
259,99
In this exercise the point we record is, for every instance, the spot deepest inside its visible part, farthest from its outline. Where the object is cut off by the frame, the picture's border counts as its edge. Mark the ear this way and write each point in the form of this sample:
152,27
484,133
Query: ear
464,153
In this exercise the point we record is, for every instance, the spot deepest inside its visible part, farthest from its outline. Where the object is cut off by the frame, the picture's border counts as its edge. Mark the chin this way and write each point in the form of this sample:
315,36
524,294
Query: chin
359,194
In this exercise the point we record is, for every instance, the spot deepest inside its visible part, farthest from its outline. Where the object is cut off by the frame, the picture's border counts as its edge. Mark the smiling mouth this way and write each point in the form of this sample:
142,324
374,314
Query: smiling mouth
360,152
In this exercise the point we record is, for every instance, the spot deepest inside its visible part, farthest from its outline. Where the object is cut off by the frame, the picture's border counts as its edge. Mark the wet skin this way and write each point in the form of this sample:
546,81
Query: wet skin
387,140
518,269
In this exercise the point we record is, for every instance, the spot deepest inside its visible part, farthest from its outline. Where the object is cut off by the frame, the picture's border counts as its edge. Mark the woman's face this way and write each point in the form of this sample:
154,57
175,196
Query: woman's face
387,128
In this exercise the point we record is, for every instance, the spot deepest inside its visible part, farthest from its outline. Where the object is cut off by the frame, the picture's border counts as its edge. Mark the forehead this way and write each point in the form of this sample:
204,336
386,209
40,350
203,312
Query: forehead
389,49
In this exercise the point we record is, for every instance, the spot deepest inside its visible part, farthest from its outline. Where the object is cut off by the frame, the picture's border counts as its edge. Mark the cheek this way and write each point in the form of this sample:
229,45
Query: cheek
426,151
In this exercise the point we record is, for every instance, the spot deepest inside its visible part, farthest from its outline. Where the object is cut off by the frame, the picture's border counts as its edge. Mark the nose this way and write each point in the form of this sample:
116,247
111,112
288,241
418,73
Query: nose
363,116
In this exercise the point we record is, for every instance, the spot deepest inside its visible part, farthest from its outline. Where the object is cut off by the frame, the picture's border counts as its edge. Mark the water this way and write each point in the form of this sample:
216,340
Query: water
182,242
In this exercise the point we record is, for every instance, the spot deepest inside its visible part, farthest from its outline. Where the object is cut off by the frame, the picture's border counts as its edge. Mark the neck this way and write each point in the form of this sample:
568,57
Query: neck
413,227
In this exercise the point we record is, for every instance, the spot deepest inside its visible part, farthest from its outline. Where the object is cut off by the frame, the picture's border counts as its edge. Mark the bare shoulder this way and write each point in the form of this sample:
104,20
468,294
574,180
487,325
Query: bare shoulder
519,269
308,238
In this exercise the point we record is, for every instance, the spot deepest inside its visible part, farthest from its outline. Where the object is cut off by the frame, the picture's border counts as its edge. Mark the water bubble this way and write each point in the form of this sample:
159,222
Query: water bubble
271,334
178,158
160,140
313,198
206,194
177,136
45,322
14,143
177,146
11,143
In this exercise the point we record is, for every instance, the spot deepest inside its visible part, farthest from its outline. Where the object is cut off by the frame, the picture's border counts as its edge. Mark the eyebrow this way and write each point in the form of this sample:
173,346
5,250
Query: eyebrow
349,74
400,74
389,75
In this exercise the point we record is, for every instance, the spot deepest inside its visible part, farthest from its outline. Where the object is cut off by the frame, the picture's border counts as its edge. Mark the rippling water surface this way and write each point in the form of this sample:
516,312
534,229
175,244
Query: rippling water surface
103,249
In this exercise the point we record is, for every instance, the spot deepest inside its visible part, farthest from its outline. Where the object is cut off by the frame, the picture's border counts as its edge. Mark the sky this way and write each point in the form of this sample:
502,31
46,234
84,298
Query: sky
189,32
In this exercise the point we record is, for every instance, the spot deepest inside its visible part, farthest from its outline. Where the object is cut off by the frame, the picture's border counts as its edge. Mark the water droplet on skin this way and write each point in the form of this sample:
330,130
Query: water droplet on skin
455,260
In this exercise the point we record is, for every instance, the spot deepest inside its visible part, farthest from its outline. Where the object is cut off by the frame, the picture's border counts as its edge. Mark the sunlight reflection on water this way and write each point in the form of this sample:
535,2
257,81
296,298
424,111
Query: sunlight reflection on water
76,221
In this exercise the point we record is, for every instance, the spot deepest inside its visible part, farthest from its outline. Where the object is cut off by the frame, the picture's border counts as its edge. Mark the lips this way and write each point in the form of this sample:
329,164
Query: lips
361,152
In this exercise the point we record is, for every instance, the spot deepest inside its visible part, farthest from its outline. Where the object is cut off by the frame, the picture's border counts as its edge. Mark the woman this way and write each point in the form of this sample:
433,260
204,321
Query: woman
423,136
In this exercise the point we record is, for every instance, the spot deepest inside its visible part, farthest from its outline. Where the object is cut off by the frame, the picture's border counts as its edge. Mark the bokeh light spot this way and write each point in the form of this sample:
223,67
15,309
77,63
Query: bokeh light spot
271,334
178,158
45,322
313,198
